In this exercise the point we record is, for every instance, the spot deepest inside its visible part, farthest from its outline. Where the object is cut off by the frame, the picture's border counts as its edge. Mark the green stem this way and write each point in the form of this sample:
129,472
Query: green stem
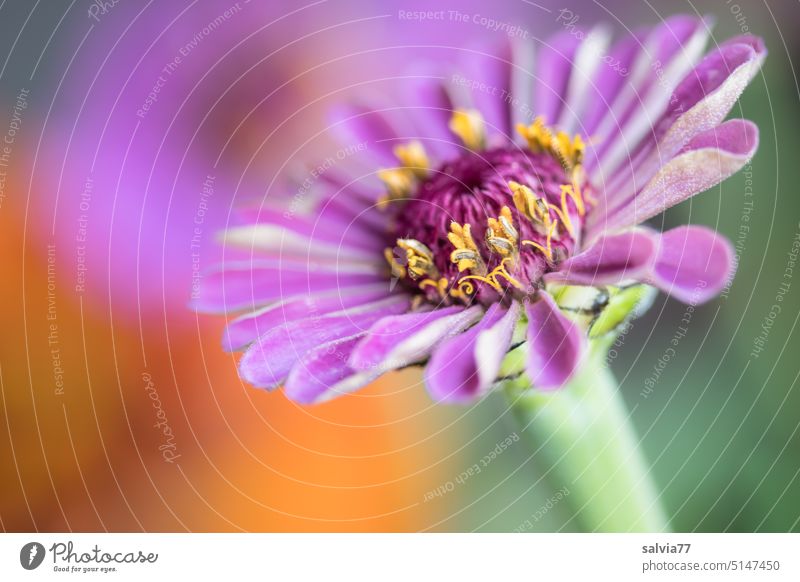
589,445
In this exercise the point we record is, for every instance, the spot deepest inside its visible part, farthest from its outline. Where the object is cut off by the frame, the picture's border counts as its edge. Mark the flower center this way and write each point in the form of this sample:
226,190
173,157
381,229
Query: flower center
486,225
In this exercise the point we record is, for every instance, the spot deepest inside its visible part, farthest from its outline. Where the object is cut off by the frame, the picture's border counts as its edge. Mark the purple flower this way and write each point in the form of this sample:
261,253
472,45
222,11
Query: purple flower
478,234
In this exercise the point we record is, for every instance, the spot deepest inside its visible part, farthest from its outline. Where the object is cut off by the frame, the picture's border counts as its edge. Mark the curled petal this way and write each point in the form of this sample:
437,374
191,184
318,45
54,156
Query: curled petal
700,103
464,367
708,93
705,161
555,344
694,264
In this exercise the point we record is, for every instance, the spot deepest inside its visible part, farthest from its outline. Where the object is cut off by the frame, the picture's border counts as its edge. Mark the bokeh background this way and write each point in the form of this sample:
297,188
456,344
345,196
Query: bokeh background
100,193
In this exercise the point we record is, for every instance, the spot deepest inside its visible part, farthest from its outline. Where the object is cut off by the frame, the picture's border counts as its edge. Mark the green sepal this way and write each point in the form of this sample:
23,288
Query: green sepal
623,304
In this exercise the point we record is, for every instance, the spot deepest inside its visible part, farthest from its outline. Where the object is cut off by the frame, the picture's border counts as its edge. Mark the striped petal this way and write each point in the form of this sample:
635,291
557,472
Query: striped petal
552,74
248,285
246,329
400,340
268,361
428,93
274,240
609,81
491,66
589,58
323,373
669,53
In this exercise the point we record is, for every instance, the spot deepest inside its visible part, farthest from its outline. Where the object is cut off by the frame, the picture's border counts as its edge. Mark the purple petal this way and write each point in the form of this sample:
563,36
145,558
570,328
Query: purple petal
707,94
428,95
694,264
342,209
589,58
357,124
705,161
670,38
245,329
613,258
268,361
552,72
671,50
462,368
609,81
323,373
317,226
247,285
555,344
401,340
273,240
491,65
701,102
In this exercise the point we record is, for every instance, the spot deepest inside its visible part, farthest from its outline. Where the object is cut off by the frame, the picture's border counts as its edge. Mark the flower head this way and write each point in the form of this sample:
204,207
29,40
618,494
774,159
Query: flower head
489,225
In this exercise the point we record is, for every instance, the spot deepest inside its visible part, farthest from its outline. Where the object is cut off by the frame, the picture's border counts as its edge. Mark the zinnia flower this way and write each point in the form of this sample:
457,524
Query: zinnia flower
453,252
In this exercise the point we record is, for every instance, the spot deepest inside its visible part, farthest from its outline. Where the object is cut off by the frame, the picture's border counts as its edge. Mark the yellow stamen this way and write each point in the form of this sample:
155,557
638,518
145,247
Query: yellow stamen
440,285
524,200
550,236
420,258
399,183
574,192
563,214
541,139
569,150
465,288
488,280
538,136
501,235
547,251
537,210
413,157
491,278
500,271
466,255
469,126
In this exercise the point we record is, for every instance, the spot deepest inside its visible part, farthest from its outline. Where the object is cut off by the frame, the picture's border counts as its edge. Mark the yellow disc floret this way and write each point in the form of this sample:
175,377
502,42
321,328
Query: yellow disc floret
468,125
